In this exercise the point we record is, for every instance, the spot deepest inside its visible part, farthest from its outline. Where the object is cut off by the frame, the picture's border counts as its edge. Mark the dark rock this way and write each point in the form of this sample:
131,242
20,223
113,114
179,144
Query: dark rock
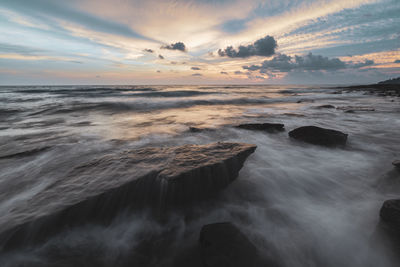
319,136
159,178
198,130
294,115
325,106
268,127
388,227
390,213
396,163
223,244
355,108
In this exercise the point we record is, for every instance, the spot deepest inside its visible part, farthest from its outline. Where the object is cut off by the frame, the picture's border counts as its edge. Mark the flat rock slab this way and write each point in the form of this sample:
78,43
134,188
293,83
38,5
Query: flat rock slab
319,136
268,127
223,244
160,178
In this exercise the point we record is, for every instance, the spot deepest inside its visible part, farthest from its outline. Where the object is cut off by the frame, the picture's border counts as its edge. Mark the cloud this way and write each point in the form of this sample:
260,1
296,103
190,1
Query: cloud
367,62
224,72
159,71
309,62
197,74
148,50
238,72
263,47
176,46
195,68
397,61
59,10
19,49
160,57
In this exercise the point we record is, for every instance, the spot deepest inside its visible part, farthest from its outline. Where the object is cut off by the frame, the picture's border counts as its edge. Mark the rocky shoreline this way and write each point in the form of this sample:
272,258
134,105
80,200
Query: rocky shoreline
176,178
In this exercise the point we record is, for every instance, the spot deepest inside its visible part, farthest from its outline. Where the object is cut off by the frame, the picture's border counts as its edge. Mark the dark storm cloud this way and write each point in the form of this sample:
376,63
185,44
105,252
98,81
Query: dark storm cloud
58,10
197,74
160,57
397,61
148,50
176,46
309,62
262,47
195,68
224,72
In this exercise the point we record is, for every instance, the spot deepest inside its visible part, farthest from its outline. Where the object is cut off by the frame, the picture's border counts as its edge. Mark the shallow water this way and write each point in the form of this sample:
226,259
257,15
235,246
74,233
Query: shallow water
301,205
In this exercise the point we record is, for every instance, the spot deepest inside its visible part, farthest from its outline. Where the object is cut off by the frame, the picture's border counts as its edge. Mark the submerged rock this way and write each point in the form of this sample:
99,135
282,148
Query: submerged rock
268,127
325,106
223,244
352,109
319,136
159,178
198,130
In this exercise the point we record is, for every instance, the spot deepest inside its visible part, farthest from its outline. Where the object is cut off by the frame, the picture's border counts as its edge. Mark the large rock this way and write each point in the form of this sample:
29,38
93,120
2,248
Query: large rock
319,136
223,244
159,178
389,225
268,127
390,212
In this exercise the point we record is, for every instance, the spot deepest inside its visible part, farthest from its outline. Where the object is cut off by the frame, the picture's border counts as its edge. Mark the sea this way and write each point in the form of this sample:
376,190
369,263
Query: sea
301,205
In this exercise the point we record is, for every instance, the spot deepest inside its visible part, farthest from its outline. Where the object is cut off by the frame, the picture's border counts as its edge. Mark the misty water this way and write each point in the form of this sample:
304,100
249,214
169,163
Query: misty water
300,204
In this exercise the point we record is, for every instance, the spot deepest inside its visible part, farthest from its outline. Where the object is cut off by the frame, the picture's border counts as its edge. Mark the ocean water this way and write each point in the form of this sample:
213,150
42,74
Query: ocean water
300,204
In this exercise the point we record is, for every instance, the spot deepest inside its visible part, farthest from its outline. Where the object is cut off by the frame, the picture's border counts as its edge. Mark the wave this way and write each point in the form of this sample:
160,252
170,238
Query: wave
139,106
25,153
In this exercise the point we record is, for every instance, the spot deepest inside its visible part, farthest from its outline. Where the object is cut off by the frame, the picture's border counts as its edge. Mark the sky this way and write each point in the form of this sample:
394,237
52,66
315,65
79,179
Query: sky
56,42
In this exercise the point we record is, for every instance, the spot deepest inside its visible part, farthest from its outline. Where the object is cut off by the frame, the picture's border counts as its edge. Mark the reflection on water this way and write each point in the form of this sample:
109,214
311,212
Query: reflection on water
302,205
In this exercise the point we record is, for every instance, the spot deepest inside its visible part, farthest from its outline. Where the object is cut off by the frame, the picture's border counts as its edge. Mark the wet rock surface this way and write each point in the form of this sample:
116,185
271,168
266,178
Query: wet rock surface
319,136
268,127
390,212
199,130
149,177
325,106
223,244
389,225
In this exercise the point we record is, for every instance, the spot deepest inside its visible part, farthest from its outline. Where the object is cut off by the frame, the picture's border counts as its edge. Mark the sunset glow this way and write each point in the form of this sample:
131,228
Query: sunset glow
136,42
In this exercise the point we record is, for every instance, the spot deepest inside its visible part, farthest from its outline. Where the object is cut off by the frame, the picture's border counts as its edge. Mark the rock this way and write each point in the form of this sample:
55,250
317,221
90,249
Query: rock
159,178
198,130
389,225
294,114
268,127
223,244
390,213
319,136
325,106
396,163
355,108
